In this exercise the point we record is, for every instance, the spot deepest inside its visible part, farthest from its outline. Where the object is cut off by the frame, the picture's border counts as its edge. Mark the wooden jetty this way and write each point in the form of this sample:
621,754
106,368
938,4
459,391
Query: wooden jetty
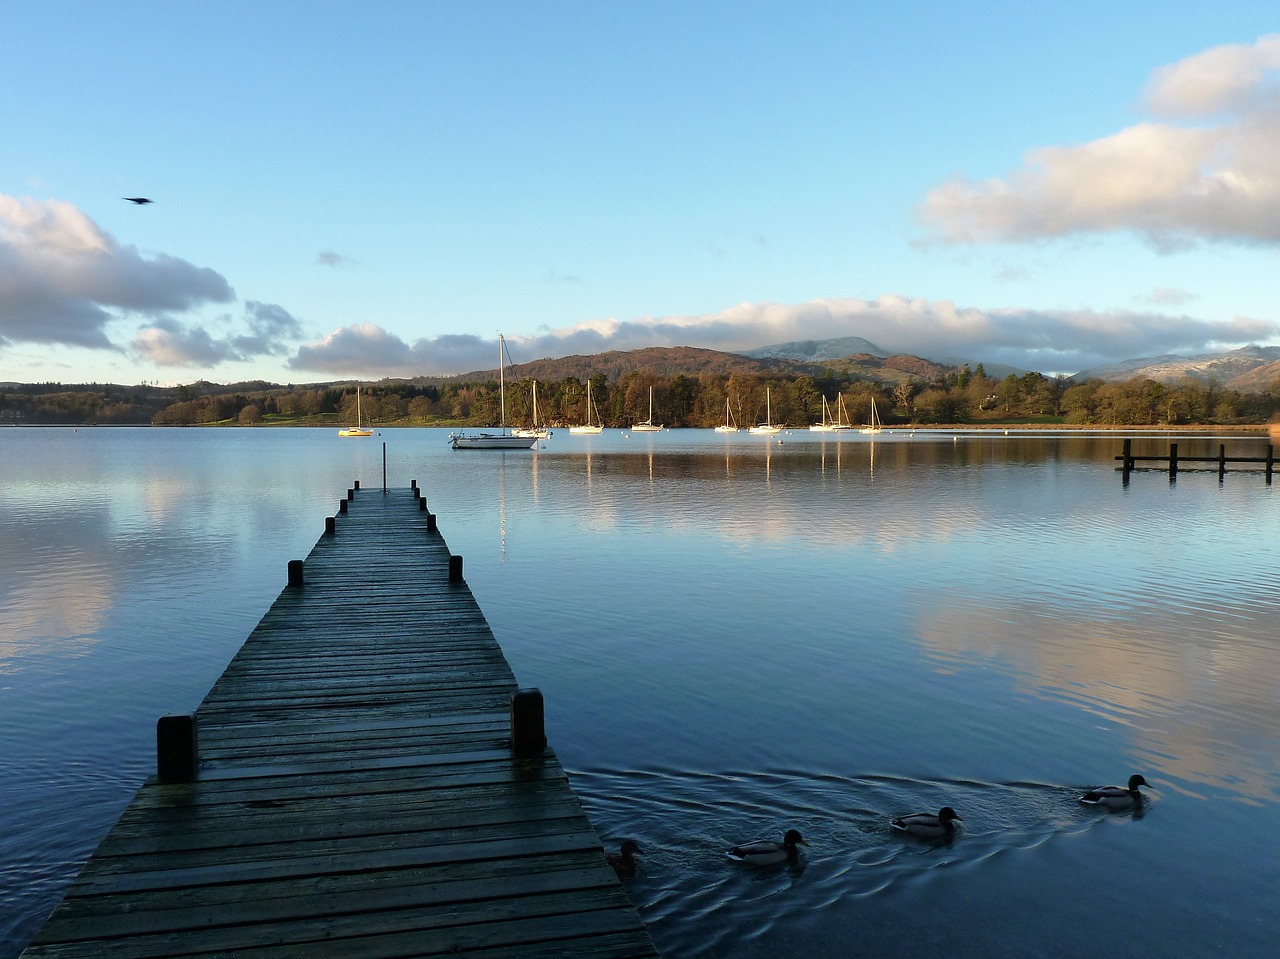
1171,462
365,780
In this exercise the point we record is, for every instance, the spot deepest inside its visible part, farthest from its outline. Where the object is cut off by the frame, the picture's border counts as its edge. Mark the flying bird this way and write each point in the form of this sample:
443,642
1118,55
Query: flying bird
137,199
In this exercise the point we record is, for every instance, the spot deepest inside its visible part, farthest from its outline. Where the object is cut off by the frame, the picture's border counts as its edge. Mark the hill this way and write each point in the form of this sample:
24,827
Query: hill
812,351
1250,369
807,358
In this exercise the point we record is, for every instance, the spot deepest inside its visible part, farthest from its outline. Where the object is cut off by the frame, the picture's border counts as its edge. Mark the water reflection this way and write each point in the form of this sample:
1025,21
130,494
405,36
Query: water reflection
733,637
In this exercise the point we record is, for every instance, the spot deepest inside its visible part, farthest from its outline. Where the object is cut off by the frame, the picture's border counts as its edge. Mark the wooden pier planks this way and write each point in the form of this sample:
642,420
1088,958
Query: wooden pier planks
357,795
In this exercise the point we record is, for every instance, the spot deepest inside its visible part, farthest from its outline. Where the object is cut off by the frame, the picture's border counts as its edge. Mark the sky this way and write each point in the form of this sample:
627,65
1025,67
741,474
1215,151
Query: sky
377,189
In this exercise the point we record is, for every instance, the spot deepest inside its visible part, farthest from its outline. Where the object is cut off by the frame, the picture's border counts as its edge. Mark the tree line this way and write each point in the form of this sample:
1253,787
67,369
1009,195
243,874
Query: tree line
962,396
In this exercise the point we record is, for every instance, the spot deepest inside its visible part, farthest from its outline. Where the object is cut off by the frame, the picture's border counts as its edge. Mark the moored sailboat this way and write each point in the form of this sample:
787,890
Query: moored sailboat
359,429
536,431
873,425
648,426
768,426
495,441
589,427
730,424
826,426
841,422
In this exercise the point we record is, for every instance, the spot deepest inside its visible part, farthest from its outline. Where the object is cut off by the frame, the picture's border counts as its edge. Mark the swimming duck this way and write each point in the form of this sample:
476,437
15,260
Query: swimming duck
1116,797
928,826
623,861
766,852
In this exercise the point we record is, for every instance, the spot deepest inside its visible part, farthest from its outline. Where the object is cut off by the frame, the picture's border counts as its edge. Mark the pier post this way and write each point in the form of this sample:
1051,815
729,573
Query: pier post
528,728
431,522
351,493
355,485
1222,460
330,525
1173,462
413,485
1127,457
342,506
177,752
455,569
295,572
1271,459
422,503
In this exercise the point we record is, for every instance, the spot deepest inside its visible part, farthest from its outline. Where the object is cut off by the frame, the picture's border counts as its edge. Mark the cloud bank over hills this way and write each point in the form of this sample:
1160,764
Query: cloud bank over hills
64,280
1044,340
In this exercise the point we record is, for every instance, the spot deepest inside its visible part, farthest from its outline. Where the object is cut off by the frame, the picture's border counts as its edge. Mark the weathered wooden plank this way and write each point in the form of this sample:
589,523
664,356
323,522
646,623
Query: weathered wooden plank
386,932
356,793
275,900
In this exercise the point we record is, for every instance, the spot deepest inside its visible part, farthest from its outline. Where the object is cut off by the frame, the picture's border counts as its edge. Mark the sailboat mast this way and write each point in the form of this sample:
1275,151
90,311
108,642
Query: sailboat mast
502,388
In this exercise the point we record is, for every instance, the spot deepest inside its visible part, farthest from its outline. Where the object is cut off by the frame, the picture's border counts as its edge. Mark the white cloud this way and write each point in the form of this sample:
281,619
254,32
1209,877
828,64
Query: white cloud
1044,340
169,343
1172,184
1169,296
63,281
1236,78
330,258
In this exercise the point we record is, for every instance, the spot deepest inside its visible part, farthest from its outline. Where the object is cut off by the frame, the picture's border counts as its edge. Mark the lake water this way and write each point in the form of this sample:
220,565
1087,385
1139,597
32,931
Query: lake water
734,636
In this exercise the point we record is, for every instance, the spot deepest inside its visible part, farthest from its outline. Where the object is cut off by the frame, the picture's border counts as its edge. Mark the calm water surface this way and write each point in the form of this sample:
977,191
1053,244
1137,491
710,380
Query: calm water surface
734,636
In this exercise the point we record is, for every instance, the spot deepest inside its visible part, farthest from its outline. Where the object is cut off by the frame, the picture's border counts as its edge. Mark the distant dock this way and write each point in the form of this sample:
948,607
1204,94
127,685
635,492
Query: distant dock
364,780
1172,461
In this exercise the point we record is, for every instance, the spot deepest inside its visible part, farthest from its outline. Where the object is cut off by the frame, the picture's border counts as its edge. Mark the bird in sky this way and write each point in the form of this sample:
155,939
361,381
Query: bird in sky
137,199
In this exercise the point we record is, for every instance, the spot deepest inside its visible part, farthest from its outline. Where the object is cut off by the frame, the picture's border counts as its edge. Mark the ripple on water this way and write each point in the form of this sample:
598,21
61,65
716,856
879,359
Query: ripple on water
697,902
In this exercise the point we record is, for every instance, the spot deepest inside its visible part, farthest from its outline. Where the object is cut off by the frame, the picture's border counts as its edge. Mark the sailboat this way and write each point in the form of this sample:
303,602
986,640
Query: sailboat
826,426
841,422
873,426
589,427
359,429
648,425
495,441
730,424
535,431
768,426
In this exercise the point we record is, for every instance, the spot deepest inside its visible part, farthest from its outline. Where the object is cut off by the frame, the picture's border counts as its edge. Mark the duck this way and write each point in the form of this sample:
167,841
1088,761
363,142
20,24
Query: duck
623,861
926,825
766,852
1116,797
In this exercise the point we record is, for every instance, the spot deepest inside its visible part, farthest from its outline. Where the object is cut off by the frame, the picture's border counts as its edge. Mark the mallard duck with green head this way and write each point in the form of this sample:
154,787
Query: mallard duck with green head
1116,797
927,825
766,852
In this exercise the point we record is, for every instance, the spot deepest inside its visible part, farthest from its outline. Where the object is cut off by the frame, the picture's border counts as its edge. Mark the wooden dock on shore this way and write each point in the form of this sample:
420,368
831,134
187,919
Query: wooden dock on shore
365,780
1172,461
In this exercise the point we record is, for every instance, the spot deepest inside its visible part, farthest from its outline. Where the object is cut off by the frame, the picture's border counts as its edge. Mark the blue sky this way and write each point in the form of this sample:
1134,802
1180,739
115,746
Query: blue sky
376,189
